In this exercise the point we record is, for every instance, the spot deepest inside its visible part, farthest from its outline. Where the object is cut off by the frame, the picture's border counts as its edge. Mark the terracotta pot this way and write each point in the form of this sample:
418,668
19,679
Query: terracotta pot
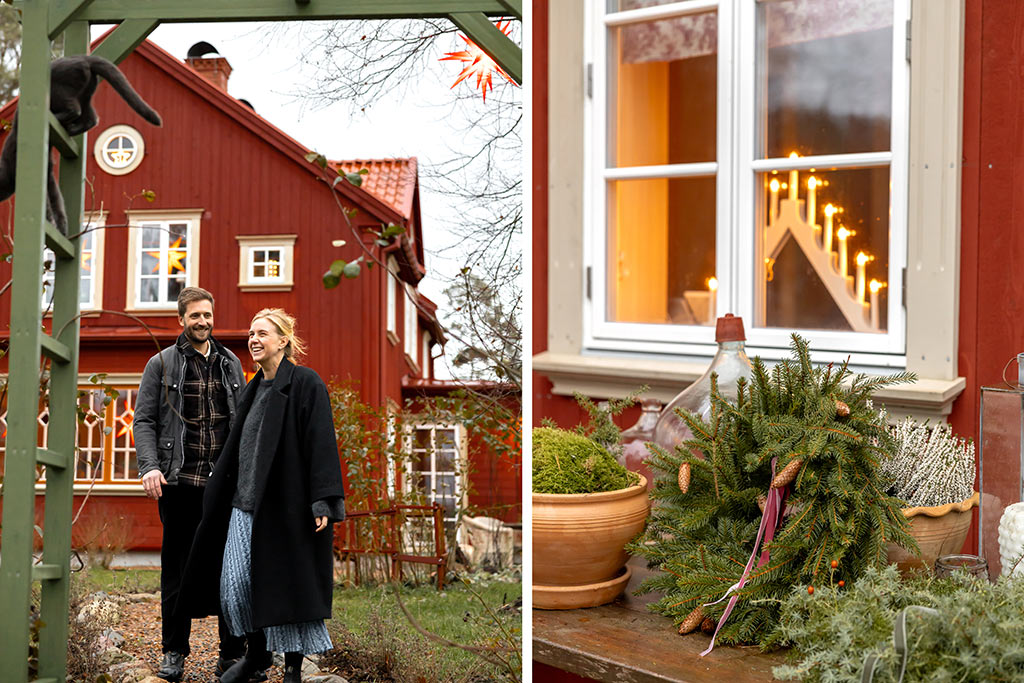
578,543
939,530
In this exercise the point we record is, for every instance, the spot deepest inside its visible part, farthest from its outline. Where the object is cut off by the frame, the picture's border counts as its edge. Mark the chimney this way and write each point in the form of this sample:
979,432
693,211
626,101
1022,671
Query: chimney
212,67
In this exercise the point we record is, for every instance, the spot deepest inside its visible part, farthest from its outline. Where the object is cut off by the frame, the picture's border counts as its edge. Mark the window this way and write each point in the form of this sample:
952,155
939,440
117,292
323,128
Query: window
425,355
266,262
391,278
411,318
90,279
435,467
749,157
163,257
106,443
119,150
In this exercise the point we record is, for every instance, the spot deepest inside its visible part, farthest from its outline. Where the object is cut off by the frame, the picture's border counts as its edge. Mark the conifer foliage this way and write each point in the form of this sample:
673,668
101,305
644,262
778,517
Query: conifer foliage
820,428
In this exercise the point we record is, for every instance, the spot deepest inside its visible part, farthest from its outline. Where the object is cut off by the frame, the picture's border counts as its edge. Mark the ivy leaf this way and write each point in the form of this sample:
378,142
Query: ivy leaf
316,158
351,270
392,230
382,242
149,195
354,178
331,280
337,267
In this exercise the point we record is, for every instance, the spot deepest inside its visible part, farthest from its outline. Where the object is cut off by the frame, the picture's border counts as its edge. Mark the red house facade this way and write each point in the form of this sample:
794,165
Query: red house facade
221,198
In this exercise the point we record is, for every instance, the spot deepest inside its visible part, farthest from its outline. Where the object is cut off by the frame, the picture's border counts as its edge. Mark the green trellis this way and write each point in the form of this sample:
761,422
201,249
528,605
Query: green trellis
43,20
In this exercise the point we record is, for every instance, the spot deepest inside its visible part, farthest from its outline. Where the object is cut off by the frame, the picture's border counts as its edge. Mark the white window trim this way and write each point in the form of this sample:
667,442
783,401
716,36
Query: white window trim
247,244
96,226
135,218
735,170
934,170
461,462
105,136
128,380
425,351
411,325
391,292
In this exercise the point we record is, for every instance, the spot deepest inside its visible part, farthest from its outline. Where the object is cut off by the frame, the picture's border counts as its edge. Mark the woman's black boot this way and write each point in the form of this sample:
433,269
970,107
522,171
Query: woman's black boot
292,667
256,659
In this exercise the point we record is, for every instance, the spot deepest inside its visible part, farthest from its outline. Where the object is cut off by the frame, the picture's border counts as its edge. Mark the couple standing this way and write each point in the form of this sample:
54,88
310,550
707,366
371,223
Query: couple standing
248,483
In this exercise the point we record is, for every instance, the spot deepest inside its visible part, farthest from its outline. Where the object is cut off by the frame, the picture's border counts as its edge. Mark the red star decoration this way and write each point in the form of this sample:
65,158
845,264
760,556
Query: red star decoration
478,62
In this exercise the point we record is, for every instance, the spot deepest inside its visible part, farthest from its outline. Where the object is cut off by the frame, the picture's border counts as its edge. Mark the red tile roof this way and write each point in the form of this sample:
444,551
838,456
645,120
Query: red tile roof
393,181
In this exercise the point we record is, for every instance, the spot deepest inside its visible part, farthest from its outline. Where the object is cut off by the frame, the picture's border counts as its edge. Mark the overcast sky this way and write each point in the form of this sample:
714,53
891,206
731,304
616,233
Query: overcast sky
266,71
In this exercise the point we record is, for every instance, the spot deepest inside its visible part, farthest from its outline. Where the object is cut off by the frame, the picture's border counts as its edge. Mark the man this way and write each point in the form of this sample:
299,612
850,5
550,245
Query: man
183,413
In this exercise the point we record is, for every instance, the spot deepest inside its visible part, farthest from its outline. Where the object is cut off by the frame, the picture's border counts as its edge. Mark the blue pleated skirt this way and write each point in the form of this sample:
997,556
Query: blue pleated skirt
236,596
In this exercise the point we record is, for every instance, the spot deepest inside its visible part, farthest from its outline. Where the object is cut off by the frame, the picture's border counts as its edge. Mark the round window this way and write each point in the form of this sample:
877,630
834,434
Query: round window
119,150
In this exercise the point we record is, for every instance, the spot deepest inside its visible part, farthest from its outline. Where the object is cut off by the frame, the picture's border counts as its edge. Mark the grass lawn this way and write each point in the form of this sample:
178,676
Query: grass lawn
374,640
121,580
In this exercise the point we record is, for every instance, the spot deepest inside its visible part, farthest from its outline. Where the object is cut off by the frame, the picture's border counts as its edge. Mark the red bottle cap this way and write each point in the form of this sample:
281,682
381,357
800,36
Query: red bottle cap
729,329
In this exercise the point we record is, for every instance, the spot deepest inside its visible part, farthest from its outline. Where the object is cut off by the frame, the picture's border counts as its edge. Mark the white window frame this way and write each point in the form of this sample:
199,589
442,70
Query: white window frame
136,220
736,171
425,365
96,232
248,245
460,494
391,292
411,315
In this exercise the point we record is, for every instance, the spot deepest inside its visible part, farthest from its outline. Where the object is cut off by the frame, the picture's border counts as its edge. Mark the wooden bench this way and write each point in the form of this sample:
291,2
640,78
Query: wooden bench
624,642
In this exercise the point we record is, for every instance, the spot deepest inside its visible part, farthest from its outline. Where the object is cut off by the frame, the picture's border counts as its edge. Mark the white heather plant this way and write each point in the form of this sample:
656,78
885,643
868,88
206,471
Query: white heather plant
930,466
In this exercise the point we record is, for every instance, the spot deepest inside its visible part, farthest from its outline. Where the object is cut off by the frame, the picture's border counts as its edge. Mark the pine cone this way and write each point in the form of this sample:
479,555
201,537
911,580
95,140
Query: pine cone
684,477
842,410
787,474
762,500
692,621
708,625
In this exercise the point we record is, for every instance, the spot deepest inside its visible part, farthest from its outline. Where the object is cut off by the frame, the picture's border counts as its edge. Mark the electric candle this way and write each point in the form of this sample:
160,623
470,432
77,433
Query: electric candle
794,179
843,234
773,208
812,208
874,287
827,237
712,303
862,260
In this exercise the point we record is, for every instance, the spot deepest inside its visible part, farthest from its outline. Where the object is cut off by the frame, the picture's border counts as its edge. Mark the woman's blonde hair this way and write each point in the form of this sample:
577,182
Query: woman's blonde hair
285,325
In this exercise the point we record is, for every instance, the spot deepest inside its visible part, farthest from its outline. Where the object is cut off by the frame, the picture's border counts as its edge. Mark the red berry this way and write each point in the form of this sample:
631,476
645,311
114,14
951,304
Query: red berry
835,563
842,583
810,590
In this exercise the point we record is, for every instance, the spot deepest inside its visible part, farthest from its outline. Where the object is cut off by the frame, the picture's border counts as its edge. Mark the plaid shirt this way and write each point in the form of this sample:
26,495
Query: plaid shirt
204,407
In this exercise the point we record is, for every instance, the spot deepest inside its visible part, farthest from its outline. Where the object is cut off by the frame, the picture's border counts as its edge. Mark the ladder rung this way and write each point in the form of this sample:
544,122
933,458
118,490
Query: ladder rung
46,572
52,458
60,139
60,244
56,350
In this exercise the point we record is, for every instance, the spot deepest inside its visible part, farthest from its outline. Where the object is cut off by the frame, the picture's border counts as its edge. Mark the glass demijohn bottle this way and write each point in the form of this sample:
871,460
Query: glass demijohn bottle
634,440
730,363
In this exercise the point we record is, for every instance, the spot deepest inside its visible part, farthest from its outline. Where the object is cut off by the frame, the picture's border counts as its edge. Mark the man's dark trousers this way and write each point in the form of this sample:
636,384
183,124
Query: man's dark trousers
181,509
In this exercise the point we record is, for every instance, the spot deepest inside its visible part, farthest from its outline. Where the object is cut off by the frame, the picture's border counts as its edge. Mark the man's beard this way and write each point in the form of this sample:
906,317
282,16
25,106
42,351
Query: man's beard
191,335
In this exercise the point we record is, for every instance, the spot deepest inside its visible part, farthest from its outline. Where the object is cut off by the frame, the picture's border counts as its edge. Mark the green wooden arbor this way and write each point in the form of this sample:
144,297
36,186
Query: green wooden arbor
42,21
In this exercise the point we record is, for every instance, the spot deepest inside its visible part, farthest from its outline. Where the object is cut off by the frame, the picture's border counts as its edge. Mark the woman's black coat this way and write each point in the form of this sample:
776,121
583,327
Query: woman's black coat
296,464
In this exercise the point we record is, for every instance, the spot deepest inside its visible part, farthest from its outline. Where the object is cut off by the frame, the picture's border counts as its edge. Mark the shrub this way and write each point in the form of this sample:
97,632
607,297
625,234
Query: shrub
566,462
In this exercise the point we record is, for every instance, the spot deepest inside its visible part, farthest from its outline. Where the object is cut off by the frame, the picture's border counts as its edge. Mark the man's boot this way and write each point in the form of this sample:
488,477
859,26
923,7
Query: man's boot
172,668
256,659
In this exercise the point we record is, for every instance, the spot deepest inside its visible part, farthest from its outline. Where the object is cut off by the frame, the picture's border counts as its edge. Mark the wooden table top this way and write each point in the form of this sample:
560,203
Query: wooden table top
624,642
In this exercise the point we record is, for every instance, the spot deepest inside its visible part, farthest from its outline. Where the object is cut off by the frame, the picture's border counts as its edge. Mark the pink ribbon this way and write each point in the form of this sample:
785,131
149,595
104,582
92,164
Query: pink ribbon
773,509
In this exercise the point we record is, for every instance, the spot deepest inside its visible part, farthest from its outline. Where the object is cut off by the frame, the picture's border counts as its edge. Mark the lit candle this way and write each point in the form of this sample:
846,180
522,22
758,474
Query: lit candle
874,287
843,234
812,208
862,260
713,295
827,236
794,179
773,208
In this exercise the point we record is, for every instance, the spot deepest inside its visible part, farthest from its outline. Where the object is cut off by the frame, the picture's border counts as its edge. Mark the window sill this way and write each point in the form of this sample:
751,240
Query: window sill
132,488
413,365
393,338
616,377
274,287
155,312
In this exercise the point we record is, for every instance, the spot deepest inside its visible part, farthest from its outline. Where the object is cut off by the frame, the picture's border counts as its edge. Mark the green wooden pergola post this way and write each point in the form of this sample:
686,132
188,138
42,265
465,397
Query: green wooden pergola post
42,21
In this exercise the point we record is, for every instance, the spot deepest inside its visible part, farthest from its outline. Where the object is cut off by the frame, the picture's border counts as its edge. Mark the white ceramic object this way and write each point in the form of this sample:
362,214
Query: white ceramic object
1011,539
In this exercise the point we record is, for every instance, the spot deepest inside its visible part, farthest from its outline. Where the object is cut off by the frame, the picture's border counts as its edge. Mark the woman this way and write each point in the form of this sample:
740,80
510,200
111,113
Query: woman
263,552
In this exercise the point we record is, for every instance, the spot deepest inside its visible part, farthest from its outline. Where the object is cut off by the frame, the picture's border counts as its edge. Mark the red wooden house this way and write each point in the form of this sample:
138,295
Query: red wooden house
221,198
